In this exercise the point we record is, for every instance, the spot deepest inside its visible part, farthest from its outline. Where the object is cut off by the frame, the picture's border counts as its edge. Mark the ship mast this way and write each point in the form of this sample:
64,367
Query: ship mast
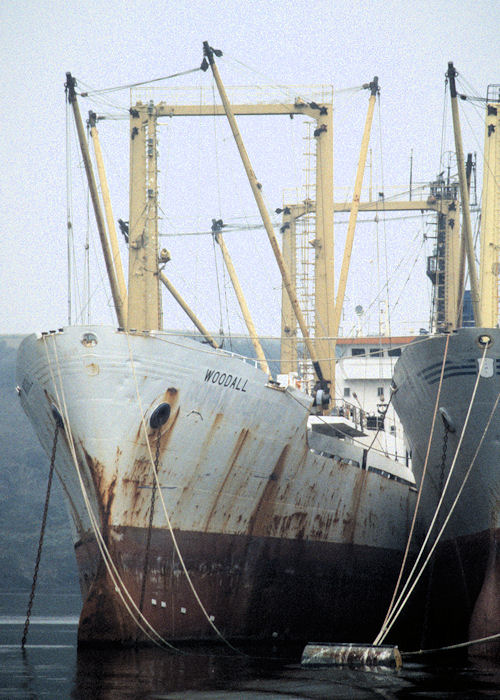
464,196
339,303
108,258
266,220
241,299
461,265
117,261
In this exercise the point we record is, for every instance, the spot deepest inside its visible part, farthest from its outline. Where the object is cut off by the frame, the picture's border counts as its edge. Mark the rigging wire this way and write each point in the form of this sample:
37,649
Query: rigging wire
461,79
87,295
410,273
221,327
98,101
238,228
402,261
85,306
217,173
128,86
73,277
286,92
283,88
219,202
402,598
377,247
103,286
443,126
225,284
86,270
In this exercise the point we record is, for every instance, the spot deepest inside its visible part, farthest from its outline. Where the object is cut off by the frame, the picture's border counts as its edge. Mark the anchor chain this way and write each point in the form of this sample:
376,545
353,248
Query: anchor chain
42,533
150,526
443,458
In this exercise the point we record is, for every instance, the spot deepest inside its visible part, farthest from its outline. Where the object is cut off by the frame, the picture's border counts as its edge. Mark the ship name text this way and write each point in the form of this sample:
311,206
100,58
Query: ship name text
226,380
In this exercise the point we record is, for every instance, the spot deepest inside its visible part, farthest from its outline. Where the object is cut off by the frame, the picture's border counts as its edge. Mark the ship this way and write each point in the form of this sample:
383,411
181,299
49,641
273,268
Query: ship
209,500
446,390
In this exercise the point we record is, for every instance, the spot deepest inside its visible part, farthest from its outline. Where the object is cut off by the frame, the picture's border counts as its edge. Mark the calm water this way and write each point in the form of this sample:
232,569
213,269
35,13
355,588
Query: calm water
51,667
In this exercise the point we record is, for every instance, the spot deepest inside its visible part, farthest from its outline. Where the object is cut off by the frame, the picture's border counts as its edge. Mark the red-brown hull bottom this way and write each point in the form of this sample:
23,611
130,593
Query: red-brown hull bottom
269,588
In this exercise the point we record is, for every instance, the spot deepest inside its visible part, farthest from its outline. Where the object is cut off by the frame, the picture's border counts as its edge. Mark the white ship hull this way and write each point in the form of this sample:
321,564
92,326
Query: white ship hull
283,533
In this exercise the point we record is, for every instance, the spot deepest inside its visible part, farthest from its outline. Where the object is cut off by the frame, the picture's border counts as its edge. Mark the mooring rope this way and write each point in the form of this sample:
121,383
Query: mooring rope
400,604
419,495
451,647
122,591
167,517
150,525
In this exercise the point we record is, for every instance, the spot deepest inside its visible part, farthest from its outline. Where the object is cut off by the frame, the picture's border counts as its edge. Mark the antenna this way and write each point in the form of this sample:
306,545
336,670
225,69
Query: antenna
411,171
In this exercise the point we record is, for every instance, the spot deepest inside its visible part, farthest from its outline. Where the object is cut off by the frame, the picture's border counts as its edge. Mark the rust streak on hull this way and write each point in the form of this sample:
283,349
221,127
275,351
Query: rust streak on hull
232,461
352,517
485,619
261,517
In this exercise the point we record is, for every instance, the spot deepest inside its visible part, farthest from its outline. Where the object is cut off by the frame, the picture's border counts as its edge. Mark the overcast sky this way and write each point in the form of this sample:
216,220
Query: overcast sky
108,43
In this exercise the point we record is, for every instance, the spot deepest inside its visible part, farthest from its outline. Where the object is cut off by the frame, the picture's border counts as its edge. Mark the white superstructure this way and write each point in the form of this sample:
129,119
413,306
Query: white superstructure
364,369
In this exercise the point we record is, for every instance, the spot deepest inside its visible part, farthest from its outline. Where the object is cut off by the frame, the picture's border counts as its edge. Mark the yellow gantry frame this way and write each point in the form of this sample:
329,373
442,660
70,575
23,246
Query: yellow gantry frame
327,312
449,208
144,302
324,234
490,217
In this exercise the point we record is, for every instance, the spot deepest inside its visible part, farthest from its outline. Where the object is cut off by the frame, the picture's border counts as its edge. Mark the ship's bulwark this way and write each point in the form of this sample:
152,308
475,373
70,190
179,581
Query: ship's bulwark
282,533
466,567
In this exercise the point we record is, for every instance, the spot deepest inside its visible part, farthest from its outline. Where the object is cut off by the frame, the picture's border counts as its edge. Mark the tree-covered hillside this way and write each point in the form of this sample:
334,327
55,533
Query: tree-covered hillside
24,470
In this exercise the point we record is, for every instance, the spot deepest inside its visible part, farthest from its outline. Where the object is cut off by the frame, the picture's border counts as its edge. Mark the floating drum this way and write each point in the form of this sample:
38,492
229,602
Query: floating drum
329,654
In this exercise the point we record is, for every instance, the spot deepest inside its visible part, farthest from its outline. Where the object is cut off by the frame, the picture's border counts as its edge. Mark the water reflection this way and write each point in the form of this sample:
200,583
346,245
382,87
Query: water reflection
52,667
214,672
113,673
